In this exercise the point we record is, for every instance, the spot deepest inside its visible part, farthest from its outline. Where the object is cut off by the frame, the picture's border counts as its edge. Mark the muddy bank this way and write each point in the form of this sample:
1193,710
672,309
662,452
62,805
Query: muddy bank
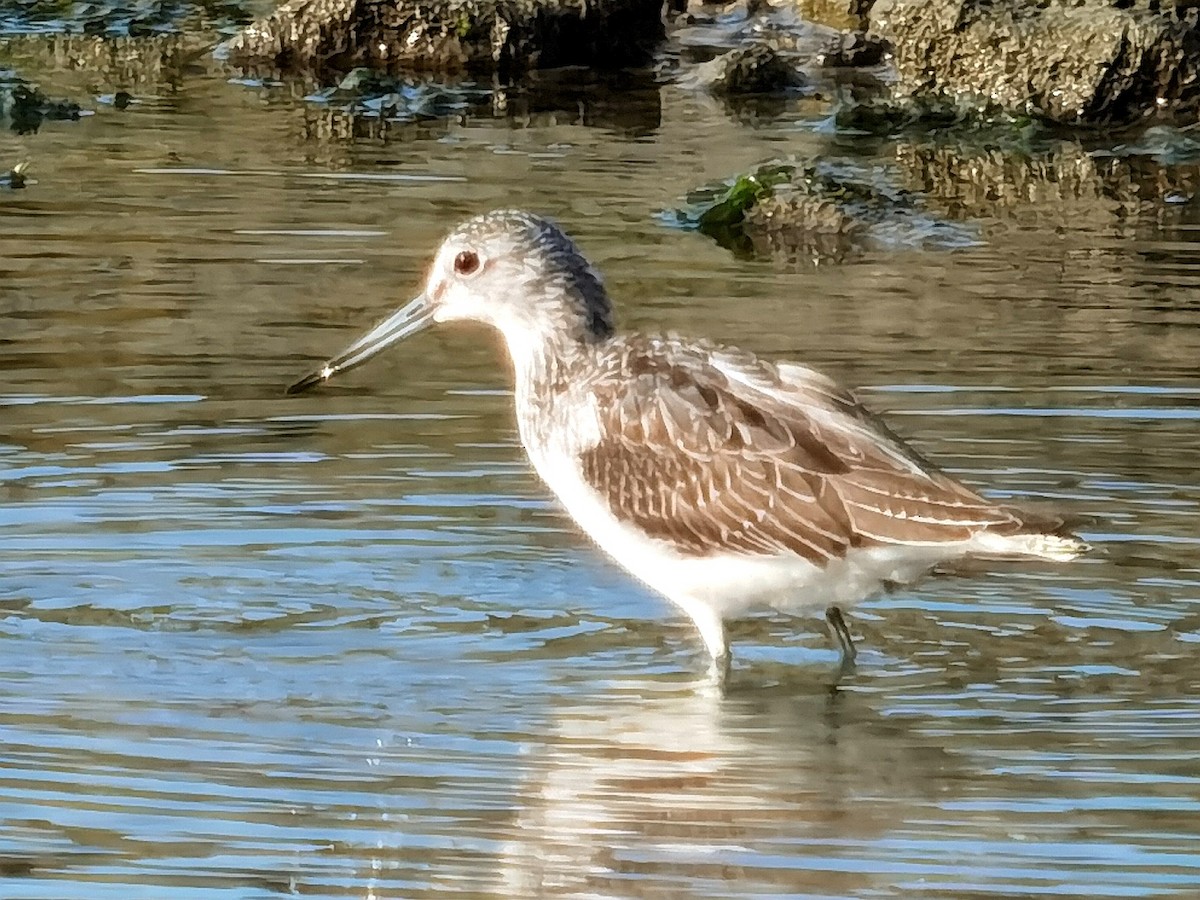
450,35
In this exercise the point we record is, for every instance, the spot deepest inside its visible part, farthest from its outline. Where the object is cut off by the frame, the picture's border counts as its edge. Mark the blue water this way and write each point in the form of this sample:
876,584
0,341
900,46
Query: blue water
344,645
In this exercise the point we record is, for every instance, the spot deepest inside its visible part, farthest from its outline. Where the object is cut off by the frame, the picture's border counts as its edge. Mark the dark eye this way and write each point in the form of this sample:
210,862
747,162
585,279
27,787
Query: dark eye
466,262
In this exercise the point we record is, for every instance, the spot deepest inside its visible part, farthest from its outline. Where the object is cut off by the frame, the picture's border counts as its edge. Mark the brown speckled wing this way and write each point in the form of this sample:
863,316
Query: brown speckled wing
722,453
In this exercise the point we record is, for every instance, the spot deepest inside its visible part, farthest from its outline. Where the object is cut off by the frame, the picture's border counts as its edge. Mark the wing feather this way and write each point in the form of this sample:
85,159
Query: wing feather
719,452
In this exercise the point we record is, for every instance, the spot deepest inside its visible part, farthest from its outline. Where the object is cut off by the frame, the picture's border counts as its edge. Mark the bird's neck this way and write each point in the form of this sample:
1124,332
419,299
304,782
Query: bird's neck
544,361
567,319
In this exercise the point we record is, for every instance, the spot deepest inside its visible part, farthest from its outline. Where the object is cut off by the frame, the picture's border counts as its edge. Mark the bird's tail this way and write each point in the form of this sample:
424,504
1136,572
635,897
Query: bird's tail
1053,547
1037,534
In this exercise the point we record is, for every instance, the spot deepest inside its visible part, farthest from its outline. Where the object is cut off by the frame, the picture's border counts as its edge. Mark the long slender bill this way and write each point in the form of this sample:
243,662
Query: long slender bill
408,320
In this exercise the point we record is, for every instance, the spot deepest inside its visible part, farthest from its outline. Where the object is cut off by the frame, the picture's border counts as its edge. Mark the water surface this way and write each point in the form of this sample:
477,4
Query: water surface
344,645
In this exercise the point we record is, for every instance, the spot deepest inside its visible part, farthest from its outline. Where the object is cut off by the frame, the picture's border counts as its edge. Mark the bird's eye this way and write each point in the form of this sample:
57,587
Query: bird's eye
466,262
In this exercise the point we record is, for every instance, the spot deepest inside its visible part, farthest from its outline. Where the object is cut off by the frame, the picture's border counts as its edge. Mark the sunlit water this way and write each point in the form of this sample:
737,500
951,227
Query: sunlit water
343,644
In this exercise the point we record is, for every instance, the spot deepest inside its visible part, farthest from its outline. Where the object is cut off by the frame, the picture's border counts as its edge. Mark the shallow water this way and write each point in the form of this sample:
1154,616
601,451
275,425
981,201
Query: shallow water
343,645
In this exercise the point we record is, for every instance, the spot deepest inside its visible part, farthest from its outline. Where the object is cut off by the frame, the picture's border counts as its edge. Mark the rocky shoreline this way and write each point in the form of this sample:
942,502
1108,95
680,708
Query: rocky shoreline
1010,92
1070,62
502,36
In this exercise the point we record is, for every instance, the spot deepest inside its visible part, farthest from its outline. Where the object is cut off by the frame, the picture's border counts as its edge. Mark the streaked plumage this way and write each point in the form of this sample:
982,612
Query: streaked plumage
723,481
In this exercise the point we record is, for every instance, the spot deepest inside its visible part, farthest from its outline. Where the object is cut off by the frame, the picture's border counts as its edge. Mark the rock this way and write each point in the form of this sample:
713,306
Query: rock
15,178
853,49
748,23
796,225
815,212
950,193
26,107
839,14
450,35
1075,62
764,61
756,69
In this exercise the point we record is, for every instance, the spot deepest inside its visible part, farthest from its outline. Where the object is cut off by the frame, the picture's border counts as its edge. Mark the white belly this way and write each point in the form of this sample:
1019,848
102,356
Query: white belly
728,585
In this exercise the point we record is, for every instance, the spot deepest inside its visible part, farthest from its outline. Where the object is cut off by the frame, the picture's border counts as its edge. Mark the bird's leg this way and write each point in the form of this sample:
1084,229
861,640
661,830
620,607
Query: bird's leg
719,669
841,633
712,630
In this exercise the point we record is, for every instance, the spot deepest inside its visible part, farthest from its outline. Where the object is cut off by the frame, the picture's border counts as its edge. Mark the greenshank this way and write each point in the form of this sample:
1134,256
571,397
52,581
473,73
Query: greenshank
724,482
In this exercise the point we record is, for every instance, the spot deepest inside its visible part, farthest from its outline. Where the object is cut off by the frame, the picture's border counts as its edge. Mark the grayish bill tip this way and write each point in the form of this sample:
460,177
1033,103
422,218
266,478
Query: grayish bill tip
312,379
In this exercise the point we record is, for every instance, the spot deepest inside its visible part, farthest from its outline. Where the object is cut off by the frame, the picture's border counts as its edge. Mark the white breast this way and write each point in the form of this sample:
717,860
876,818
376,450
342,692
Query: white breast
725,584
713,588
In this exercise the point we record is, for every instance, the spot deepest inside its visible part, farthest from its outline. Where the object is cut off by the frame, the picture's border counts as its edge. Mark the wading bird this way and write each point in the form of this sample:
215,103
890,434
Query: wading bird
724,482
